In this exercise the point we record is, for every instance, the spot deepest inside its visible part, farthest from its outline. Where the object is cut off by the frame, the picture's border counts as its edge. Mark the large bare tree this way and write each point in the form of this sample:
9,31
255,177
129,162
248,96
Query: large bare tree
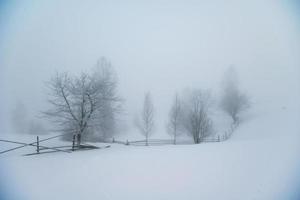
197,122
74,101
174,126
233,101
78,102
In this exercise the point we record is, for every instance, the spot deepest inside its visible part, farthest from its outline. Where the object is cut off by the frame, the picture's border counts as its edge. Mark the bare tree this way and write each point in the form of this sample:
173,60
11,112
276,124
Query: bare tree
175,119
197,122
74,101
147,117
19,118
233,101
36,127
111,103
82,104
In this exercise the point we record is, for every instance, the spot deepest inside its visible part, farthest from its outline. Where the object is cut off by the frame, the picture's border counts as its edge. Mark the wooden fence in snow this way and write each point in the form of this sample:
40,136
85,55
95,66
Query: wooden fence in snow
157,142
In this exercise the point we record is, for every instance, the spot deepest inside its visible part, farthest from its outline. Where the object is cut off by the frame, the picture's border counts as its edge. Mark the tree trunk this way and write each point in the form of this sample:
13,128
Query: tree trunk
174,139
78,139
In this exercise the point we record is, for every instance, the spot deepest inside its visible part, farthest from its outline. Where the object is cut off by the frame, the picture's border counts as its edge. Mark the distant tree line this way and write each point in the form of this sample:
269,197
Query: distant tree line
191,113
88,106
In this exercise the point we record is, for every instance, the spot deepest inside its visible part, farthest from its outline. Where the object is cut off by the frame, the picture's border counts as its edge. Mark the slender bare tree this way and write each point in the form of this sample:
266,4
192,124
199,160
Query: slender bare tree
174,126
147,117
197,122
233,101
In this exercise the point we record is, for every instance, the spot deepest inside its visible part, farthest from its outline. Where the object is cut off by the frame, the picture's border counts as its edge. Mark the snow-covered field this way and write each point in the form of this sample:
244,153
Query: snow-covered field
260,161
161,47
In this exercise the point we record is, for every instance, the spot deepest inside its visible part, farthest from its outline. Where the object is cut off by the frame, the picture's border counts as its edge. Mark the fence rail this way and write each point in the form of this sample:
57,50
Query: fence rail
157,142
153,142
41,149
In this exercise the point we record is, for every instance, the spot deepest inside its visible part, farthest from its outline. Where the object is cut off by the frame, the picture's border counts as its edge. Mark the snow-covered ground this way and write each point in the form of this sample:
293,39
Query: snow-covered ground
162,47
260,161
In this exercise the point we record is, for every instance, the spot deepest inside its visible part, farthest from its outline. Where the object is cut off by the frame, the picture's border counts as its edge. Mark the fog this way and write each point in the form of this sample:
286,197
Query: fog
155,46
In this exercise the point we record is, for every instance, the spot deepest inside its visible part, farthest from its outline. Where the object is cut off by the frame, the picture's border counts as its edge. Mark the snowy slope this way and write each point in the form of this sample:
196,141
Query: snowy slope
258,162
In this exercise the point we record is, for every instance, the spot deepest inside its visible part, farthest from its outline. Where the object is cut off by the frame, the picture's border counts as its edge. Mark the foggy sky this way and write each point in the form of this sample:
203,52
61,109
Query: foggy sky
156,46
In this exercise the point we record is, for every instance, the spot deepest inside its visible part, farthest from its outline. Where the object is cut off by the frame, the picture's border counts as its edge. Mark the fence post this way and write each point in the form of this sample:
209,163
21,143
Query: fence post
127,143
37,144
218,138
73,143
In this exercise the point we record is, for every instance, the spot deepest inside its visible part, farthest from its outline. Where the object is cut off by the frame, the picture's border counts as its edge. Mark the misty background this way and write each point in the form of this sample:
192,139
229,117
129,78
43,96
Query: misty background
161,47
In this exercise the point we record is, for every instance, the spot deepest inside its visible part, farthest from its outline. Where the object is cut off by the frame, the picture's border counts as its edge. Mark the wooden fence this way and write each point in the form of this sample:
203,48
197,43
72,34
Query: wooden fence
41,149
70,148
158,142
